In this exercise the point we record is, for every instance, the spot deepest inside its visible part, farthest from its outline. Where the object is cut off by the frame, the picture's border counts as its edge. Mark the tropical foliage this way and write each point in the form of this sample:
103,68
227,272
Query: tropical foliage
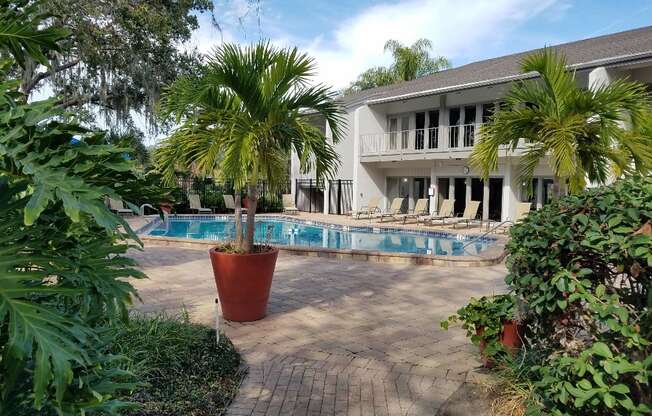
62,263
581,269
410,62
583,134
244,116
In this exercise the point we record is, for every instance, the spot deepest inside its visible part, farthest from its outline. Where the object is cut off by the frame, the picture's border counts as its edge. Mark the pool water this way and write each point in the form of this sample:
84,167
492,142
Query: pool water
294,233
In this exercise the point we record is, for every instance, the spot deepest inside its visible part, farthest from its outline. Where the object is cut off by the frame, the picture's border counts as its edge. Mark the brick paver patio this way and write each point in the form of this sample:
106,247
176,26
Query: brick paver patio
341,338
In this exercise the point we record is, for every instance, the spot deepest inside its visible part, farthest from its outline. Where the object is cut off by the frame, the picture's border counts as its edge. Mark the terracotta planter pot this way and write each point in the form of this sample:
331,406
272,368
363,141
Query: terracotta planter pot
166,207
510,337
245,202
243,282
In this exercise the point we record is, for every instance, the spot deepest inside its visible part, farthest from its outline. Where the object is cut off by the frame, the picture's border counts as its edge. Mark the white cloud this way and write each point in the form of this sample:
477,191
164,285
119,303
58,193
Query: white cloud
458,30
461,31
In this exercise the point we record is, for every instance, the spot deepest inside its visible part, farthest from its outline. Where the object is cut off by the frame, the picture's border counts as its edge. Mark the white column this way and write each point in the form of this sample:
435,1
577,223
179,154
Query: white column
539,194
509,197
467,182
485,200
355,205
451,188
327,195
433,183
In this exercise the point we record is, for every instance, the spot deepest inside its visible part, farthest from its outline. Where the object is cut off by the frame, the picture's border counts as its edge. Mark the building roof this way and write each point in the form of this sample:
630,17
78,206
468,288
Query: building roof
606,50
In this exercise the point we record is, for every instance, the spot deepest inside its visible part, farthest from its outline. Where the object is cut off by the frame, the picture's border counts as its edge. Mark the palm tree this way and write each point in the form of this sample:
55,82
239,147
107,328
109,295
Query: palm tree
583,133
244,115
414,61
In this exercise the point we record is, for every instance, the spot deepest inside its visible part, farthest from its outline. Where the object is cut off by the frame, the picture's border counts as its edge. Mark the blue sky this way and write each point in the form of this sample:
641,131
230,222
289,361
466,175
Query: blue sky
347,37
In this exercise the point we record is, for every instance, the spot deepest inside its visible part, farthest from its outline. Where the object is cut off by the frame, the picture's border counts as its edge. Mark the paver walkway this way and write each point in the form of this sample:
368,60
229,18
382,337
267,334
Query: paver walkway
341,338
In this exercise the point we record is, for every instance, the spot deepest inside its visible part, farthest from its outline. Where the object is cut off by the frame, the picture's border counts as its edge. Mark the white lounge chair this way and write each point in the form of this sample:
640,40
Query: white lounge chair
394,209
372,208
195,204
522,209
229,203
420,208
469,214
445,212
288,205
117,206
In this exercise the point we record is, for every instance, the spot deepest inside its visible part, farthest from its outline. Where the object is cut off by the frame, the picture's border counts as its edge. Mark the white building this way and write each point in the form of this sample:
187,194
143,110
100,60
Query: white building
413,139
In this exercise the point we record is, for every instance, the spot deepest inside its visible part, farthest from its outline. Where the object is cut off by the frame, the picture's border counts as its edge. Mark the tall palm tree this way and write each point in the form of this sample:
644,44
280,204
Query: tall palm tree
414,61
583,133
244,115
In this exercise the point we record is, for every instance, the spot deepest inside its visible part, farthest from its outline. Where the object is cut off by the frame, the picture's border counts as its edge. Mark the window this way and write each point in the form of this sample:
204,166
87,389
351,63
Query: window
393,128
405,132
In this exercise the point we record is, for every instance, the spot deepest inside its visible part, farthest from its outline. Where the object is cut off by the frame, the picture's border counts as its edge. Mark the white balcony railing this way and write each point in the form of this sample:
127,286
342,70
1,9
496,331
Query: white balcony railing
432,140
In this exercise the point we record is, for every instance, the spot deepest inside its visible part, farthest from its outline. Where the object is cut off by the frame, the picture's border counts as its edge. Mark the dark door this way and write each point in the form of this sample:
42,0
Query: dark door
433,130
460,195
420,120
495,198
547,191
442,188
454,128
469,125
477,193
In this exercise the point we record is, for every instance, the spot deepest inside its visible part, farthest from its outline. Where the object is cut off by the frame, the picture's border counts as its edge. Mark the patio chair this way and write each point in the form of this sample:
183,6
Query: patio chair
117,206
229,203
195,204
469,214
372,207
394,209
288,205
445,212
522,209
420,208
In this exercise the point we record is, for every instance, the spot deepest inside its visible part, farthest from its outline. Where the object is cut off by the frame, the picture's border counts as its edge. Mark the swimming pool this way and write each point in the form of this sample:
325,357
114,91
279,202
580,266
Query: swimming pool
291,232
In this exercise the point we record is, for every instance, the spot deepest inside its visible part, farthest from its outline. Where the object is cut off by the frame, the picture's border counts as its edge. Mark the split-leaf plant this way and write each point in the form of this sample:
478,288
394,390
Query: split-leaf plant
62,263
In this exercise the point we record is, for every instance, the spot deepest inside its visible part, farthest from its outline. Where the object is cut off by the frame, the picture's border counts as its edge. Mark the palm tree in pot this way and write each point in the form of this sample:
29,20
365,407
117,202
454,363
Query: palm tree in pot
240,119
584,134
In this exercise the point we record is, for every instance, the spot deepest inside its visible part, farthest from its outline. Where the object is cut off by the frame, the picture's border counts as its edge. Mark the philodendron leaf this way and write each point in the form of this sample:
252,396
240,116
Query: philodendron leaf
36,204
601,349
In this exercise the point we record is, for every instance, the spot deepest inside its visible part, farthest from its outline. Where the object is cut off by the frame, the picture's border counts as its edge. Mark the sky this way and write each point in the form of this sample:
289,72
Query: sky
347,37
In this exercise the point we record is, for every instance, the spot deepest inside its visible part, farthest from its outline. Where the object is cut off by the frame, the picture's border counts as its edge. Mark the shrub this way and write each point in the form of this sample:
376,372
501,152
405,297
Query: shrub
583,268
186,372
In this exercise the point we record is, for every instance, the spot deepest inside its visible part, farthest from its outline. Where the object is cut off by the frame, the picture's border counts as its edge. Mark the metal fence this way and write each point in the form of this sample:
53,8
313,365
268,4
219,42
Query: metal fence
309,195
341,196
211,193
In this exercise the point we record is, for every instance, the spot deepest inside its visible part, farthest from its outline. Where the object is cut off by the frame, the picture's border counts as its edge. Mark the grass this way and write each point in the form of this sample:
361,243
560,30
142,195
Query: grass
184,370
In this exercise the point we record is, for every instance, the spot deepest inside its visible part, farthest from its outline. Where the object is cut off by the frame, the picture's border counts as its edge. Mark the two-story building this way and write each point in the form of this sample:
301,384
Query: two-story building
413,139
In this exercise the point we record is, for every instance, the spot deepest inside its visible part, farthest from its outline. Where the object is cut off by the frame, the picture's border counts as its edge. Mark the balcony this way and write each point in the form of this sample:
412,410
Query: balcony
436,140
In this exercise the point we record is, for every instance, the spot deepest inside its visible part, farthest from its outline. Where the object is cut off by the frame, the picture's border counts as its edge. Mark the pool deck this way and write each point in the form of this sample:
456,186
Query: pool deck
341,337
494,254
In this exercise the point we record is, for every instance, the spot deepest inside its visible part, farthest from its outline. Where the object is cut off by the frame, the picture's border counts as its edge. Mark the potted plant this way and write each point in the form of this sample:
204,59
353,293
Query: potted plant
491,324
240,119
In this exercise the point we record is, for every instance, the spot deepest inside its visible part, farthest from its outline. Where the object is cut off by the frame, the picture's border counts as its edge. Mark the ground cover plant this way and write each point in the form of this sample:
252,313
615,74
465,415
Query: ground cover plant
183,369
581,268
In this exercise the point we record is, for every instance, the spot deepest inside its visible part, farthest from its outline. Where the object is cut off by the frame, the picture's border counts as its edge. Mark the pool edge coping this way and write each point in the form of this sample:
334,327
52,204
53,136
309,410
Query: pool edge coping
494,254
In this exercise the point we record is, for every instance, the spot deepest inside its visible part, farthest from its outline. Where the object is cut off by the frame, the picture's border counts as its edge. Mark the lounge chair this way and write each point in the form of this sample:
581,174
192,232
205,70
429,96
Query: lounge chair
195,204
470,212
288,205
117,206
420,209
394,209
445,212
522,209
372,208
229,203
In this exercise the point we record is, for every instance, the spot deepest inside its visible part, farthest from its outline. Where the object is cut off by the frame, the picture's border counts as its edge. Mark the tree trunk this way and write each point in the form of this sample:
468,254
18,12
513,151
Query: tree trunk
238,219
252,195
